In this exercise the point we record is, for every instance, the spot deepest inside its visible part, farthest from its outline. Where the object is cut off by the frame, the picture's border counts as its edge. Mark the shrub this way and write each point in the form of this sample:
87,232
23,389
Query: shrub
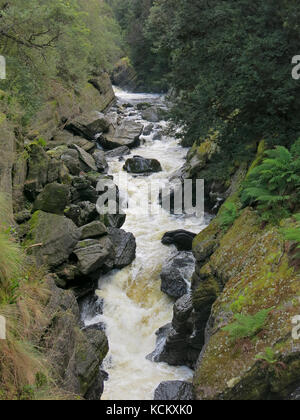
274,186
247,326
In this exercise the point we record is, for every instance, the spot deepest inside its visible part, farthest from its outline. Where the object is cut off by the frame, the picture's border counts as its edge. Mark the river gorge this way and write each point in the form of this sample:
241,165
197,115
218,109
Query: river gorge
134,305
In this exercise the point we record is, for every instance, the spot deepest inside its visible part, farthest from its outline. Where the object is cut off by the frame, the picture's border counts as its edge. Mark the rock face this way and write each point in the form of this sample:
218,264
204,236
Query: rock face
7,157
182,239
126,133
124,245
53,199
140,165
174,391
246,272
75,355
52,238
176,274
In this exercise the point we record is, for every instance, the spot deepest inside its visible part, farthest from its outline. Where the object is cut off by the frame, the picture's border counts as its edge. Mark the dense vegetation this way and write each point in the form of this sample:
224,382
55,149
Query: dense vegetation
61,40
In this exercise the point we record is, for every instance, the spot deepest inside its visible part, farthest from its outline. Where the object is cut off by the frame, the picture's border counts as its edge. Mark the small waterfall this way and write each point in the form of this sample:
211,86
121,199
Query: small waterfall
134,306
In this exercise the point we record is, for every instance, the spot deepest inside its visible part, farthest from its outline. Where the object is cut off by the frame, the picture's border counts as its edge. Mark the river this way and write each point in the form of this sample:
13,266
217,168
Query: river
134,306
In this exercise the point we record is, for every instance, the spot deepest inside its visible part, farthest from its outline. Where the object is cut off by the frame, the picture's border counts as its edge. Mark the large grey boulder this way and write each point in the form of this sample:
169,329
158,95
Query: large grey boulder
100,160
94,254
52,238
88,125
174,391
70,157
119,152
153,114
140,165
95,229
125,247
87,161
176,274
127,133
53,199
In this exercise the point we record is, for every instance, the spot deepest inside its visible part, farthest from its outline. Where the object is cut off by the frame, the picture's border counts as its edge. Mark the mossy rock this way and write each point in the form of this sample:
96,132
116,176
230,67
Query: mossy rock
53,199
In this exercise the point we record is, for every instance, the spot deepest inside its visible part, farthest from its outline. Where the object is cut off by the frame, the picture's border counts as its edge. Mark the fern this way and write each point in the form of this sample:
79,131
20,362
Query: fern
274,186
228,215
268,356
247,326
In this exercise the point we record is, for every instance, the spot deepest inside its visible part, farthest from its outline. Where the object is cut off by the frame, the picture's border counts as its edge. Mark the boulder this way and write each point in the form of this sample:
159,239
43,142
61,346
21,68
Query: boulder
90,306
65,138
176,274
140,165
157,136
93,230
152,114
52,238
119,152
53,199
83,213
88,125
148,129
86,160
83,190
182,239
71,159
94,254
101,163
174,391
127,133
125,247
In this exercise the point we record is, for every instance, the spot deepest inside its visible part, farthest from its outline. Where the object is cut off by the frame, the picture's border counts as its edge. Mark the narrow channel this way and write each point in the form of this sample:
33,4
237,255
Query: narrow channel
134,306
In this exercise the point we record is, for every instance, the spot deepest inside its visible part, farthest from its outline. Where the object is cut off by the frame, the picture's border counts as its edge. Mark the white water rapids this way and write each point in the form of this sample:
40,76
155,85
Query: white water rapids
134,306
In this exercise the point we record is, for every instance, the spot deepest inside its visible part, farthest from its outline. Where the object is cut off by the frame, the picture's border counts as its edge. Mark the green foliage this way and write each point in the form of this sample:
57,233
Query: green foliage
66,40
274,186
228,215
268,356
293,233
227,62
247,326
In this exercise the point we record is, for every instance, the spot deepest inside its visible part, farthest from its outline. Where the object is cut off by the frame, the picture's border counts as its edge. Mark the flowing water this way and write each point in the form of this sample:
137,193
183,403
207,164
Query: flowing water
135,308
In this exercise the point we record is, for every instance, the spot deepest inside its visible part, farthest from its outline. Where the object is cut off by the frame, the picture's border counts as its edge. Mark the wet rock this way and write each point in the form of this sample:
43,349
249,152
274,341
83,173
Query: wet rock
93,230
119,152
140,165
101,163
176,274
148,129
125,247
90,306
94,254
157,136
53,199
52,238
86,160
174,391
126,133
182,239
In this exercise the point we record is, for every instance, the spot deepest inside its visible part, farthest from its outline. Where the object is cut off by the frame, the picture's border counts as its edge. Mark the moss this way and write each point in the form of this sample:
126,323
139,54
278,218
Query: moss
253,266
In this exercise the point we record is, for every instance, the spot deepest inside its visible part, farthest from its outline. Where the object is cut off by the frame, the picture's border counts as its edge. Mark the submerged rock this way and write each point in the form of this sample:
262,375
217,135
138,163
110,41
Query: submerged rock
182,239
176,274
174,391
125,247
140,165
